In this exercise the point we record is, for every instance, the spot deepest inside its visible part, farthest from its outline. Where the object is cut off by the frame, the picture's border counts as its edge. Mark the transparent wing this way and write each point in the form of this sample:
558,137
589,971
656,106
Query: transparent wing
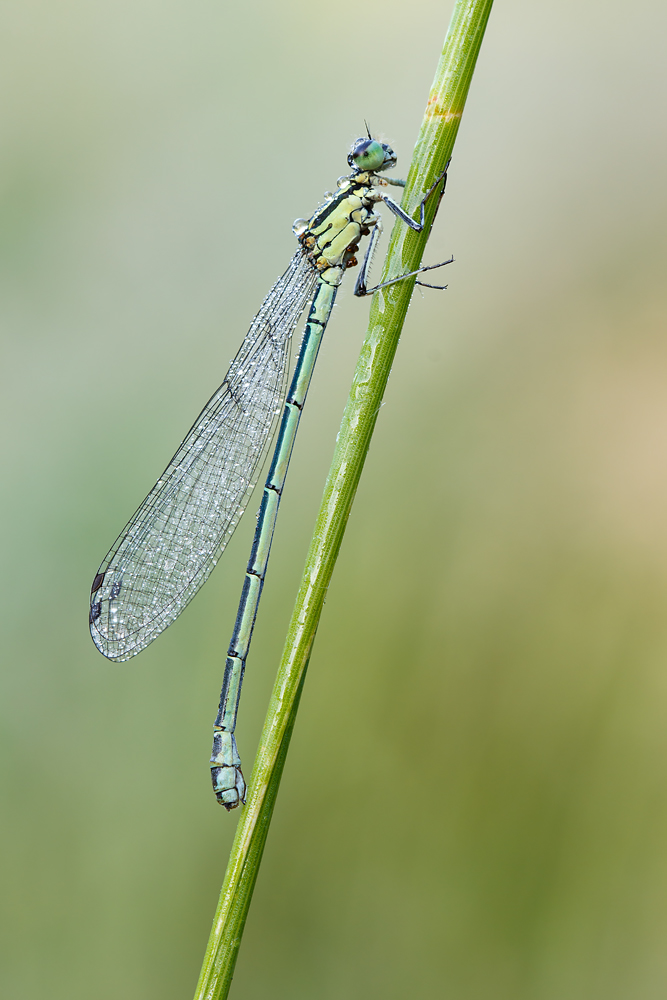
169,547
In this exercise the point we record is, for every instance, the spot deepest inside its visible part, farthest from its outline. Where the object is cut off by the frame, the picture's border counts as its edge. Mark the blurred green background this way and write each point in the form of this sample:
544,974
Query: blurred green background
496,828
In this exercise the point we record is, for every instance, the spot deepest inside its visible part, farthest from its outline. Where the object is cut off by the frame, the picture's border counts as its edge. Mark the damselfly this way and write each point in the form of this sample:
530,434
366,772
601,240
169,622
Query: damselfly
169,547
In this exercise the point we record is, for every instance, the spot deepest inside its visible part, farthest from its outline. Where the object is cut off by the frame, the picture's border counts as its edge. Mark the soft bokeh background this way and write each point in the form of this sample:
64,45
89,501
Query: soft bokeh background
496,828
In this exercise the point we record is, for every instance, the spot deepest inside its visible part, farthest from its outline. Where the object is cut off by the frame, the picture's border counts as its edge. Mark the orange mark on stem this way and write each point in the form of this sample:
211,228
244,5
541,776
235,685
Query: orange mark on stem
435,110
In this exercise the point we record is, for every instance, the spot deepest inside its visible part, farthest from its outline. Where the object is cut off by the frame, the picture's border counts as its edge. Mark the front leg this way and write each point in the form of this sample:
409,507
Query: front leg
403,216
396,181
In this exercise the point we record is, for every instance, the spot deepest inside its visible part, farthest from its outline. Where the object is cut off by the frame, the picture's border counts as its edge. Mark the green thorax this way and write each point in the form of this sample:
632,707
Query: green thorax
331,236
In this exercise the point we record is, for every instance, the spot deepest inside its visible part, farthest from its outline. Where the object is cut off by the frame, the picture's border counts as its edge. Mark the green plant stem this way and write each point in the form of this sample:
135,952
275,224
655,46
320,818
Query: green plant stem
389,306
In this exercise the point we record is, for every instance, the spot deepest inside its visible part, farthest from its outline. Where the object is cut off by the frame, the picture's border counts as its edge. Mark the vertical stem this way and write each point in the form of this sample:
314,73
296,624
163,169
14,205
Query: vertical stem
389,306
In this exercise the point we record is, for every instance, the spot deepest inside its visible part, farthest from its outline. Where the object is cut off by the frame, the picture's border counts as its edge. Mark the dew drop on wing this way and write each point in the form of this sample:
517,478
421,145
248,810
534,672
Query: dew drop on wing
115,590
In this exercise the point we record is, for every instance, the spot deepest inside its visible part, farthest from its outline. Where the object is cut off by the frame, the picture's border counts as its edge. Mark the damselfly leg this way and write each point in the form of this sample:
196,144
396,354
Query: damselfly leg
360,288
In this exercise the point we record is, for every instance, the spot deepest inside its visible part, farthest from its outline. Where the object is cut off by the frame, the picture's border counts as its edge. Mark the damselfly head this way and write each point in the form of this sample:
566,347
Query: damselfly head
370,155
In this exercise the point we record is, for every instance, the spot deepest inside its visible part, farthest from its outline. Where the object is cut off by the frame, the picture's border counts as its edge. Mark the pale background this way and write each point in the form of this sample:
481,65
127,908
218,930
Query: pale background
489,819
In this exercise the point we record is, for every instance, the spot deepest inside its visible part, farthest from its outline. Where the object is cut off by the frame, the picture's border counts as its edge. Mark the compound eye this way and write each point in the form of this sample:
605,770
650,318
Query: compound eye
367,154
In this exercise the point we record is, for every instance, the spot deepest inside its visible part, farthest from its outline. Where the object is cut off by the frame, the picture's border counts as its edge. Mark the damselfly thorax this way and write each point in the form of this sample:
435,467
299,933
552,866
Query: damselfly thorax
331,236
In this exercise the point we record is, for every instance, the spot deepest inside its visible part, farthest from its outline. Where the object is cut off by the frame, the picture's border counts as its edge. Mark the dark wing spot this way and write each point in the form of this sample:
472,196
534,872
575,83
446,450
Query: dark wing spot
97,583
95,612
